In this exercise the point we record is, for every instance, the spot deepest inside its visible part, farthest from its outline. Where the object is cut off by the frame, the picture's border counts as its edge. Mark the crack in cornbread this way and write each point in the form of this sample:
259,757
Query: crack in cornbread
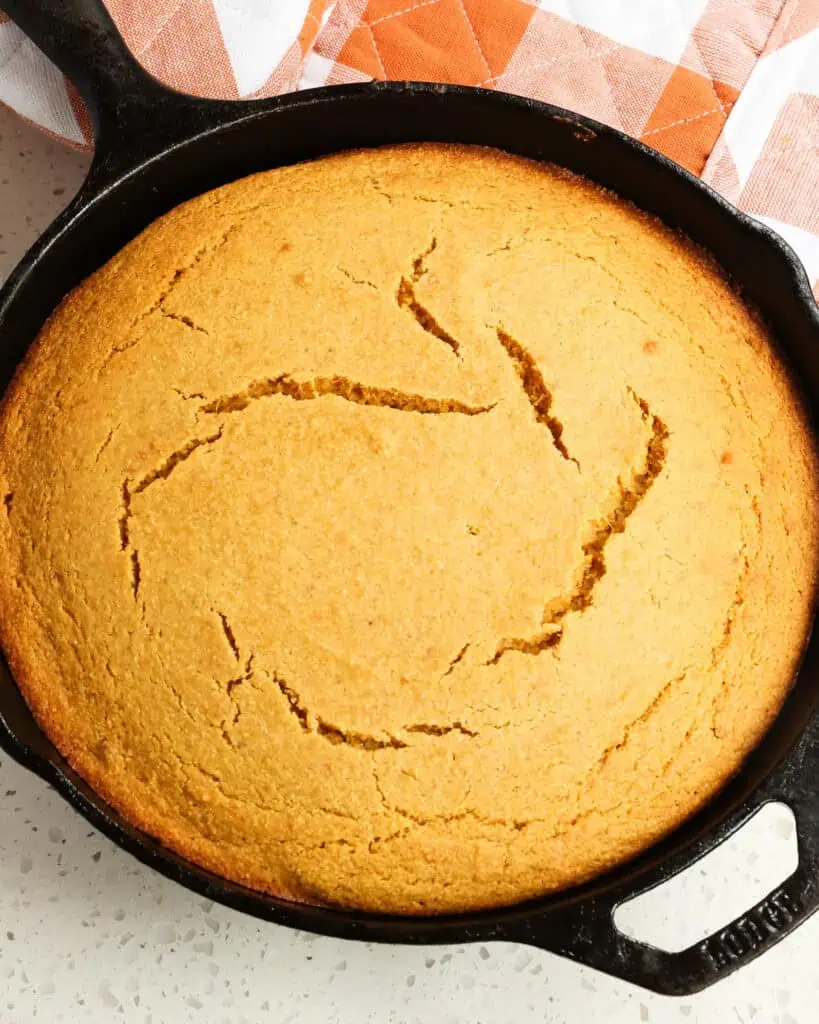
417,530
593,568
532,382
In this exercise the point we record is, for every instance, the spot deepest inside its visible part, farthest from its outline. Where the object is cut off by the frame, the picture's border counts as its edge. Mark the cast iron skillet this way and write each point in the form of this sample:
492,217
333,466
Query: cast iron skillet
156,148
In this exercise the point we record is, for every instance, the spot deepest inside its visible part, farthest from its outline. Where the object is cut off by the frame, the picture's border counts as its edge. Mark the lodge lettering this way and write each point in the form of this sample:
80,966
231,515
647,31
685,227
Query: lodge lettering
747,933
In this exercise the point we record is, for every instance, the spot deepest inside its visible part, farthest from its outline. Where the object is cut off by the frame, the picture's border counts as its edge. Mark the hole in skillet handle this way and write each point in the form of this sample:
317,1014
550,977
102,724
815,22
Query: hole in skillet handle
709,894
585,931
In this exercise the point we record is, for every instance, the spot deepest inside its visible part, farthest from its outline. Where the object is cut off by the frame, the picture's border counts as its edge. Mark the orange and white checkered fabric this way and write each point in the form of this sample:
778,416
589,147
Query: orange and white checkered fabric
728,88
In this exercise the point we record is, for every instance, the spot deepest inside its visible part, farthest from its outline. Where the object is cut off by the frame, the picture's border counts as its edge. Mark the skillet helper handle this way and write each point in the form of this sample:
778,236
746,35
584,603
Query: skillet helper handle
600,945
587,934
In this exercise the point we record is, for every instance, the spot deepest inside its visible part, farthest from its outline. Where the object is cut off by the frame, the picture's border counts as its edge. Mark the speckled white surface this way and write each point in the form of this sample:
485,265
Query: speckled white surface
88,934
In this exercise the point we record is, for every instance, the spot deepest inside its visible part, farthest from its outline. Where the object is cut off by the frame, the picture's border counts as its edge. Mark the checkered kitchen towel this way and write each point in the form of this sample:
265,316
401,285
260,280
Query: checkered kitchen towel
729,88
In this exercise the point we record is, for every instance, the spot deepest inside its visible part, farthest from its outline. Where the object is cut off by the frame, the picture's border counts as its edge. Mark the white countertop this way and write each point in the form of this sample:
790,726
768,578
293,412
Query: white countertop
88,934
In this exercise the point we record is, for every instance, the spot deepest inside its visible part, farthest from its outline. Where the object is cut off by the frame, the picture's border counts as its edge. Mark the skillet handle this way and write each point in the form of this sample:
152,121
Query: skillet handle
134,116
82,40
585,931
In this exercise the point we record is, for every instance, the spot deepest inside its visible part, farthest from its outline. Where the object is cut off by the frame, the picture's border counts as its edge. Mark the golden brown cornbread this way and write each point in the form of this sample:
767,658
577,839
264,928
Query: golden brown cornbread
419,529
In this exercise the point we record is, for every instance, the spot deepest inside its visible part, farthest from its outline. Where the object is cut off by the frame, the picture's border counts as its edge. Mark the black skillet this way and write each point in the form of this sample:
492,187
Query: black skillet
156,148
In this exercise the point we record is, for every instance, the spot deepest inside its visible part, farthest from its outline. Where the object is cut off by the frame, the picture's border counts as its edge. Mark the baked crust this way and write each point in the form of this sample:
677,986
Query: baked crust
418,530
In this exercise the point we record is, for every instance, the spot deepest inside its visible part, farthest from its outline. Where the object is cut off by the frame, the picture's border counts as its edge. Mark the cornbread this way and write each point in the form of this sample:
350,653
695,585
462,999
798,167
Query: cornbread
417,530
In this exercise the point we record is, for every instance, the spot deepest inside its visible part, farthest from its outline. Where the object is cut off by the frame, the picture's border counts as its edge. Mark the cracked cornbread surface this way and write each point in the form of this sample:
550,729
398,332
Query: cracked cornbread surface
417,530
